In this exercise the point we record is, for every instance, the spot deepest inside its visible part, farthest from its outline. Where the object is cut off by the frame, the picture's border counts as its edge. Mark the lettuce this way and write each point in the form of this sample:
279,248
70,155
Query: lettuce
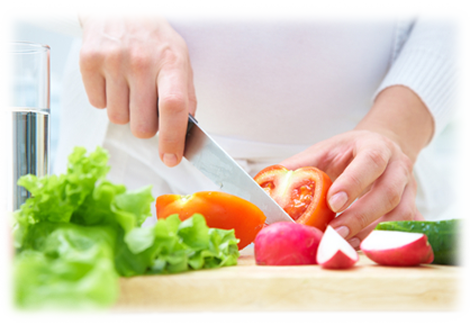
79,232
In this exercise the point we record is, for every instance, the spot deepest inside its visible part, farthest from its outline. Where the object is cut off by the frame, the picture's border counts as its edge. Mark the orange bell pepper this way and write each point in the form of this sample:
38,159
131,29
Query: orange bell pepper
221,210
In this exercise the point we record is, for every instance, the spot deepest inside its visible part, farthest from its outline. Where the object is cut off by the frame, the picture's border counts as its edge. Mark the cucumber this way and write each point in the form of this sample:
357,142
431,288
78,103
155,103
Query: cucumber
443,236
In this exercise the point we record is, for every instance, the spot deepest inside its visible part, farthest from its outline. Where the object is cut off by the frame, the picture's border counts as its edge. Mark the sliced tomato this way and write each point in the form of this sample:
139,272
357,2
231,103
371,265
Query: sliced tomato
5,238
301,193
221,210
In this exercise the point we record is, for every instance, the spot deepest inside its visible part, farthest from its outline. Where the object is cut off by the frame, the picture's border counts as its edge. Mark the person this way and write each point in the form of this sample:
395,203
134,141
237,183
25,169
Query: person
360,100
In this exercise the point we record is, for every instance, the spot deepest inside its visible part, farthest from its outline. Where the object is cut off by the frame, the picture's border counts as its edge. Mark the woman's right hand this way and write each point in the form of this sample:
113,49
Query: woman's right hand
128,66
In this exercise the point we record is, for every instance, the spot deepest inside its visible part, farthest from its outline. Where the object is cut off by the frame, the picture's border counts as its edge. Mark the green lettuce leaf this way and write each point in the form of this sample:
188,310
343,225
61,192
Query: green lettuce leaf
79,232
173,246
71,266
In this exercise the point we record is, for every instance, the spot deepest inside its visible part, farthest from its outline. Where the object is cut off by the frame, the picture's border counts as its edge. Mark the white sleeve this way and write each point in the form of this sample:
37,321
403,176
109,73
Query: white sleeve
56,15
426,65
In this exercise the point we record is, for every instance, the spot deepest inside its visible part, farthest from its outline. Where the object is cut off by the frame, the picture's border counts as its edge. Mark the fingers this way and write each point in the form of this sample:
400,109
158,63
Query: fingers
117,100
130,66
143,104
405,210
331,156
93,80
174,106
383,197
364,169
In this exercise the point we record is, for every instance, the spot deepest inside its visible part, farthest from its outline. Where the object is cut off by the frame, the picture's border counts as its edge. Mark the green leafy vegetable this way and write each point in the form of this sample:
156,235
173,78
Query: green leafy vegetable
79,232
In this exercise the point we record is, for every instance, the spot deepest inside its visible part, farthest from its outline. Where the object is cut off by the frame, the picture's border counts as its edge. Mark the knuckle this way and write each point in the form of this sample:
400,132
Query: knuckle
355,182
407,164
175,102
171,55
140,62
378,157
408,213
404,212
114,58
170,141
361,220
143,131
392,196
89,59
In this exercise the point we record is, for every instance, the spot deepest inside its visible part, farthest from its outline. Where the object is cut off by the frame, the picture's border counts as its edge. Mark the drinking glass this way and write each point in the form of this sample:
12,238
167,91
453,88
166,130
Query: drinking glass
29,104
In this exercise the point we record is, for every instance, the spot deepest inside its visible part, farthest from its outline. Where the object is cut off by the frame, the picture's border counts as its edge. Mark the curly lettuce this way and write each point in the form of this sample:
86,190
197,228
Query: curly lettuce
79,232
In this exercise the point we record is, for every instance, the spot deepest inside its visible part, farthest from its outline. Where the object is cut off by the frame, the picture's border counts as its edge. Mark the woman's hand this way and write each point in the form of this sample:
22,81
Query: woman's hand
372,166
129,66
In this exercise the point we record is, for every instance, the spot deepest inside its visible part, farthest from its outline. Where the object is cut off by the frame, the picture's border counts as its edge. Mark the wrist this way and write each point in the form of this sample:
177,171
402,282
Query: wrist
400,115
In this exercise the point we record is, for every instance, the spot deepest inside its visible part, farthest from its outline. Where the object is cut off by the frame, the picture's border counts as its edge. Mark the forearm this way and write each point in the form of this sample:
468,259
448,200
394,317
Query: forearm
400,115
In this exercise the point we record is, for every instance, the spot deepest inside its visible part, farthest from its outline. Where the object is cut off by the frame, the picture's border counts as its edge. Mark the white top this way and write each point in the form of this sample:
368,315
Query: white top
267,90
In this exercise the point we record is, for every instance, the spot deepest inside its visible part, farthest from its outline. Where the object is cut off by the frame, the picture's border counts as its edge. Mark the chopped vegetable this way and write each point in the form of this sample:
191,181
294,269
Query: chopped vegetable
397,248
334,252
79,232
301,193
221,210
442,235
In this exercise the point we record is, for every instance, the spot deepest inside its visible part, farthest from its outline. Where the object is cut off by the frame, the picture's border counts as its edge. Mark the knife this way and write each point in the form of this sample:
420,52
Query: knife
207,156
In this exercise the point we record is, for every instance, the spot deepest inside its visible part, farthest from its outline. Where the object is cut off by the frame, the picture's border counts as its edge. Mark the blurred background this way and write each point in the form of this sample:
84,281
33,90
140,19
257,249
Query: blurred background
450,150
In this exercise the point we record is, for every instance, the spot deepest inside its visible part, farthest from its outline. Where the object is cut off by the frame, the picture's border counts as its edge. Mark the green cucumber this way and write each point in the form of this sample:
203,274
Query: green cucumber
443,236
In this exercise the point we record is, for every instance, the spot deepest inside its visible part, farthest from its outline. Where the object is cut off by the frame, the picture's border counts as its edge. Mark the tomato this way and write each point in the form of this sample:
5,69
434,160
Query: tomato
301,193
221,210
5,238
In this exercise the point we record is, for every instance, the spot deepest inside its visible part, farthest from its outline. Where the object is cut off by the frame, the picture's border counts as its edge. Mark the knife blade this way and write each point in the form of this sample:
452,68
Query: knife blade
214,162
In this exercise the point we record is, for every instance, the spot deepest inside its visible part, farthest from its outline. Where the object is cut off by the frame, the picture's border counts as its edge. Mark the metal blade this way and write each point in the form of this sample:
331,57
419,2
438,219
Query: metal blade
207,156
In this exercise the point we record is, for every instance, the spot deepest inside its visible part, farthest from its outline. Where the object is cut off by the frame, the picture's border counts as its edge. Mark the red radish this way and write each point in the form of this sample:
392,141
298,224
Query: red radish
397,248
287,243
334,252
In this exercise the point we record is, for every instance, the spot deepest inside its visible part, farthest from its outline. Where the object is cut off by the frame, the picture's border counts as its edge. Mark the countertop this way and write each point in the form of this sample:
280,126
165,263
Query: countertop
451,153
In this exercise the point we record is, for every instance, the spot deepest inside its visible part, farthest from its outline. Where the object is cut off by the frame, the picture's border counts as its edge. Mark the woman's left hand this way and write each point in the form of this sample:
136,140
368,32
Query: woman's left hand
372,166
367,167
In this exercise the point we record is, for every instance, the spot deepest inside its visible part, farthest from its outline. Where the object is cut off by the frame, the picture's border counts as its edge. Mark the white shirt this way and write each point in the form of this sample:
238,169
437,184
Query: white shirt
268,90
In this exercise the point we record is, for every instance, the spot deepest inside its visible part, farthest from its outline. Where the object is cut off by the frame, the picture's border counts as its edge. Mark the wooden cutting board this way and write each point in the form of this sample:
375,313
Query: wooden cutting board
248,287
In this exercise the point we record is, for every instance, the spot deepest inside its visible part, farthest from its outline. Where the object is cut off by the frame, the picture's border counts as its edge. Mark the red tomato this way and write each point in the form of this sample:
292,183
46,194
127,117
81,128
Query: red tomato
221,210
5,239
301,193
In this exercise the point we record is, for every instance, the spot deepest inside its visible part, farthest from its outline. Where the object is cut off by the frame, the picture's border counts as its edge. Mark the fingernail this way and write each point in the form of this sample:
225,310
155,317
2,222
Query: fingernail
170,159
354,242
343,231
338,201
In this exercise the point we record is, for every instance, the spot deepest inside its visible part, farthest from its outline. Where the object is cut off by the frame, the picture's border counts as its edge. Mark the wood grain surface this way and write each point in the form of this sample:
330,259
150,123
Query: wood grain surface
248,287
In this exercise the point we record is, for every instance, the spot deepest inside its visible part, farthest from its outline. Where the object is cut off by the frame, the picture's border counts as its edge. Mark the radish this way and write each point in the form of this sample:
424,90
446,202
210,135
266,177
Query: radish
287,243
334,252
397,248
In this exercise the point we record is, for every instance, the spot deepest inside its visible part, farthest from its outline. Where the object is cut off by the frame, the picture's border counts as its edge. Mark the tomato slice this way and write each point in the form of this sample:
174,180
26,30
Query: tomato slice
221,210
5,238
301,193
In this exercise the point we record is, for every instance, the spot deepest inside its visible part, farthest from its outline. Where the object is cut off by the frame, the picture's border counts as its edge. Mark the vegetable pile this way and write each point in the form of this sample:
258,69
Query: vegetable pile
79,232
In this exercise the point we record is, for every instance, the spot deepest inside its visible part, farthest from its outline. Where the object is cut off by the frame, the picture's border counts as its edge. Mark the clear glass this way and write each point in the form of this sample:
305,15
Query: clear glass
29,106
